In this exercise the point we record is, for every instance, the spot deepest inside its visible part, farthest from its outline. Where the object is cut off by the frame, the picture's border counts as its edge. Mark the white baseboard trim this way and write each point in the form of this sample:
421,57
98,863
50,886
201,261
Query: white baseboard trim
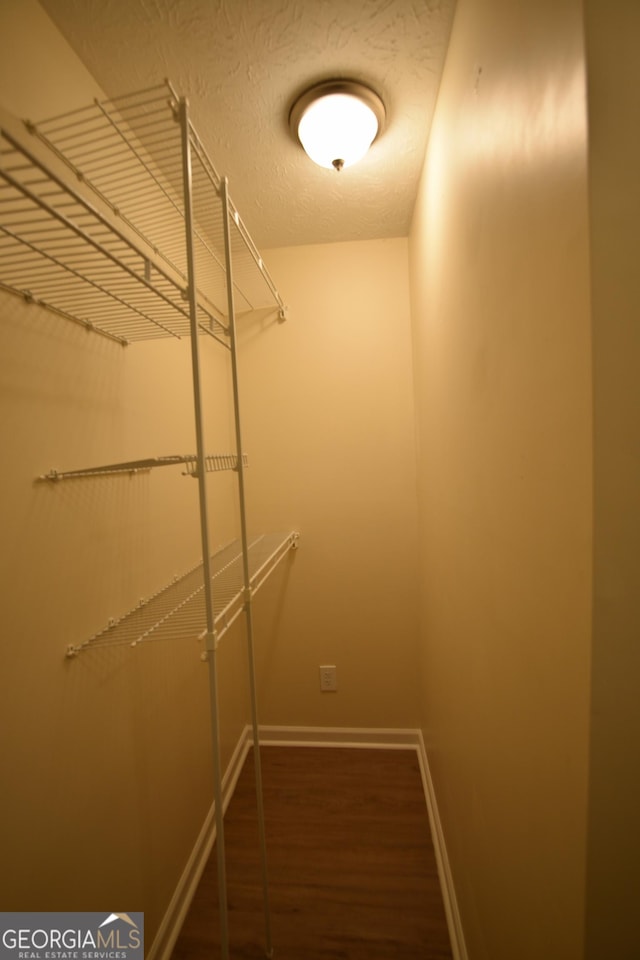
169,930
371,737
362,737
454,922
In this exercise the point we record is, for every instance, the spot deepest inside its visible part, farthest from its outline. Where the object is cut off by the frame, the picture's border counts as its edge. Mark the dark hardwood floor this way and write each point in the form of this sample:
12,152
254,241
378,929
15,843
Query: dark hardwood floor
351,863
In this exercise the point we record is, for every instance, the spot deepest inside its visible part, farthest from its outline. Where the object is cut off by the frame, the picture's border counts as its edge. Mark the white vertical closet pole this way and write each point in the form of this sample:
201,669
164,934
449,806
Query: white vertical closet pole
245,569
204,527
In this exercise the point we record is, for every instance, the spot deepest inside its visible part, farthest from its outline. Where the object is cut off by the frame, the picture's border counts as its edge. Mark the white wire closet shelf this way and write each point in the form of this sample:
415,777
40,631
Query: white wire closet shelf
213,463
92,222
178,610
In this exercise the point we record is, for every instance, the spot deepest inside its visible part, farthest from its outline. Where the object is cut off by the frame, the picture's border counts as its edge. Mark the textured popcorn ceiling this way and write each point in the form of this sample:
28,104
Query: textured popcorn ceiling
242,63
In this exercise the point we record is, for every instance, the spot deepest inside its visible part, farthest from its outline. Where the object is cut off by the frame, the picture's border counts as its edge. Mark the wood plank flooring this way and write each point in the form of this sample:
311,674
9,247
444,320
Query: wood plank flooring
351,864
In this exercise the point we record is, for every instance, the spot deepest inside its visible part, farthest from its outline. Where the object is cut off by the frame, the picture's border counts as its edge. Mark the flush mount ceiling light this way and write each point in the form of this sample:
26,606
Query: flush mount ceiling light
336,122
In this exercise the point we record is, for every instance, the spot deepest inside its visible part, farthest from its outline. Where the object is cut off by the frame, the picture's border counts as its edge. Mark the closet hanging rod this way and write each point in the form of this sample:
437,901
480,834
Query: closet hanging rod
176,612
214,462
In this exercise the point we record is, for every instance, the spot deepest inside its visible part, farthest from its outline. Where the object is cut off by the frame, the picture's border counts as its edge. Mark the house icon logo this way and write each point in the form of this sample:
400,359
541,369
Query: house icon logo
119,932
119,916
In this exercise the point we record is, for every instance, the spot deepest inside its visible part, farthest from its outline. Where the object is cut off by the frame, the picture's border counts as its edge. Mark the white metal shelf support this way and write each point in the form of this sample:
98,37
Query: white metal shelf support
204,529
245,569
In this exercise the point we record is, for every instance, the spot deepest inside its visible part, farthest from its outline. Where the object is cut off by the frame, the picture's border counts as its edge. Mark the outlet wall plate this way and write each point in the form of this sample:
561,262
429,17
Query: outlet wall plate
328,678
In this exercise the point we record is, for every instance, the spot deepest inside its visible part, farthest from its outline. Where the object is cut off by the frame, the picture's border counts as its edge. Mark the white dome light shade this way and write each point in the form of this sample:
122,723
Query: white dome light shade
337,130
336,122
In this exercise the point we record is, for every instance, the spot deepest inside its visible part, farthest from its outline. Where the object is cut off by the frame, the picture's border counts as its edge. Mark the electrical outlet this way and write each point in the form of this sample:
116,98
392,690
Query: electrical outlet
328,679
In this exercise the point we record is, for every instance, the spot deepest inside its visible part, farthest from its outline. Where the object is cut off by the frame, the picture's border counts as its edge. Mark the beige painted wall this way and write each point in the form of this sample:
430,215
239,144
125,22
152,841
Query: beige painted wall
614,195
106,759
499,284
329,427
